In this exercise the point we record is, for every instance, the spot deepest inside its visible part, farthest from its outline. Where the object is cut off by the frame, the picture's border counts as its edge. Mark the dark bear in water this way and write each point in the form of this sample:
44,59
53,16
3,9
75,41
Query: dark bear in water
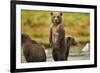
32,51
69,41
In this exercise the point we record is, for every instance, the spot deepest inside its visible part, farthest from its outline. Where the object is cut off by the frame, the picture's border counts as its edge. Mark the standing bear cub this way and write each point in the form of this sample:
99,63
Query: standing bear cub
57,37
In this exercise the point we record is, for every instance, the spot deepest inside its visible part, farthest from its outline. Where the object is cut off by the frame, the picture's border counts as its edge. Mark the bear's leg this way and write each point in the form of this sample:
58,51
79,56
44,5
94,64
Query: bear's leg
61,56
55,55
58,55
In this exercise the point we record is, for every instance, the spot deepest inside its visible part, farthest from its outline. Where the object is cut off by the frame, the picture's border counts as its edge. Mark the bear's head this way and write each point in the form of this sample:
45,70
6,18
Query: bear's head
70,40
25,38
56,18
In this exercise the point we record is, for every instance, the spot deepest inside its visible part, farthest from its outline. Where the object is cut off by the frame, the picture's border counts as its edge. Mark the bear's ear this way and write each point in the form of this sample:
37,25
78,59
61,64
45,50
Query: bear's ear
61,13
51,13
69,38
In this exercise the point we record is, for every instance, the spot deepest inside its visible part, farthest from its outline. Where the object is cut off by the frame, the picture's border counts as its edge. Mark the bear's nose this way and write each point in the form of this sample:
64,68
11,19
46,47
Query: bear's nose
56,18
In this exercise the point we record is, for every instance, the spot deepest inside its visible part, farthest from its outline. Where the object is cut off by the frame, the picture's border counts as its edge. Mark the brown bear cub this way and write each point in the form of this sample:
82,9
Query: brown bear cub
33,51
69,41
57,37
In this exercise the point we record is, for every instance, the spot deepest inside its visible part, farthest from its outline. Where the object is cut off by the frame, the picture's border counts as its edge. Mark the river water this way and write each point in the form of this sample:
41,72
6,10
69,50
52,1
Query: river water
72,56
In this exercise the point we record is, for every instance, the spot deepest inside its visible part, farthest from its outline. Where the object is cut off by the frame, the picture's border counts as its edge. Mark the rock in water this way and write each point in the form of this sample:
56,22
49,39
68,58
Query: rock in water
86,48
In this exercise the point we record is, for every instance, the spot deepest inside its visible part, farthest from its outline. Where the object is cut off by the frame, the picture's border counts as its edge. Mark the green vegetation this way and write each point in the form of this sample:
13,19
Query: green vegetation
37,24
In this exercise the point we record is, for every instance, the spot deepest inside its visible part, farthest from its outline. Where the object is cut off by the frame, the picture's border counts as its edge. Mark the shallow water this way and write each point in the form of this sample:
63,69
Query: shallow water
72,56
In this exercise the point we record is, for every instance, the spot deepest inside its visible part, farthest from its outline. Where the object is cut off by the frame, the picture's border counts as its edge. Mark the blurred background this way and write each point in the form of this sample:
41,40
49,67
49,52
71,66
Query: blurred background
37,25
